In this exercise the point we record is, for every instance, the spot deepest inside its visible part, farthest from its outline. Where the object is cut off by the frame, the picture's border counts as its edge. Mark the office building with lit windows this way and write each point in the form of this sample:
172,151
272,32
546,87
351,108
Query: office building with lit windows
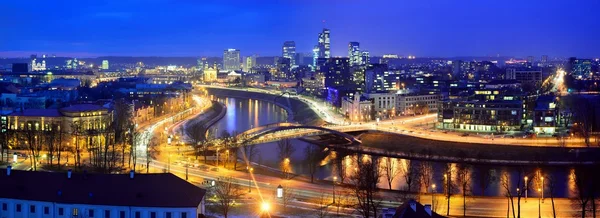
231,59
289,51
354,53
105,64
62,195
485,110
336,71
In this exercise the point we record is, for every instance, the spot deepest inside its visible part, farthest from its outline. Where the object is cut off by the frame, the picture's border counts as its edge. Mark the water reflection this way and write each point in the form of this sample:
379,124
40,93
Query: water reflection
243,114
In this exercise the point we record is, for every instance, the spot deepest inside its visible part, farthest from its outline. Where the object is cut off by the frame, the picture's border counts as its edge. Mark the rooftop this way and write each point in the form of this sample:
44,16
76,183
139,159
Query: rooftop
82,107
144,190
37,113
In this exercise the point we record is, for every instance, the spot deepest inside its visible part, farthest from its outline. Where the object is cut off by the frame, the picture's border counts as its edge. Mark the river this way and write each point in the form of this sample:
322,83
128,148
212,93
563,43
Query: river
243,114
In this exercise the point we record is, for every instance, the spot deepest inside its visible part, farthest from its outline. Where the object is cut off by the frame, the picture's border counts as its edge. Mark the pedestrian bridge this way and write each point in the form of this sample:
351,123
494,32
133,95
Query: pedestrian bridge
280,131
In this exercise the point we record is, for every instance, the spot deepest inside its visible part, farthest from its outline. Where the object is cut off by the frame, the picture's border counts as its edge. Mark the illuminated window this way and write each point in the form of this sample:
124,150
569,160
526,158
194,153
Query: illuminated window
75,212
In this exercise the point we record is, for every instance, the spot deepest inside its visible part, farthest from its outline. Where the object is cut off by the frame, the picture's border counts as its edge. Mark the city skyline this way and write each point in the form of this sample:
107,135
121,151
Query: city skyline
437,29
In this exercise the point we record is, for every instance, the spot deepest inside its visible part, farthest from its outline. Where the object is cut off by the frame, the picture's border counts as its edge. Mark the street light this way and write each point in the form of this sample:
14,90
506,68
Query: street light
539,205
187,165
334,180
526,189
265,207
250,169
432,191
542,189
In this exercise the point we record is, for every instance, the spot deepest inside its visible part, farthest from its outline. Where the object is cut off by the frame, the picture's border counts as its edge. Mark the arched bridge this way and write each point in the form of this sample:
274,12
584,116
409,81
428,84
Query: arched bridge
279,131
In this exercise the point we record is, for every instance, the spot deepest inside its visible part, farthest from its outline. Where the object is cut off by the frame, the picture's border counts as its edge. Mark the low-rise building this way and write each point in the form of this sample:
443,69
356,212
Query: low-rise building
546,115
62,195
411,104
357,108
86,116
485,110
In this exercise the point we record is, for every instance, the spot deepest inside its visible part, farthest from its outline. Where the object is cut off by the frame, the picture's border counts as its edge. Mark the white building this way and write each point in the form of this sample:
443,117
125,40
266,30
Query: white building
357,108
383,102
532,76
30,194
411,104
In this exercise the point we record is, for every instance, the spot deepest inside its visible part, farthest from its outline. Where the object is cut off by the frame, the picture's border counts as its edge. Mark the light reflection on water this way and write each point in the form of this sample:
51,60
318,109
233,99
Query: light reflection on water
243,114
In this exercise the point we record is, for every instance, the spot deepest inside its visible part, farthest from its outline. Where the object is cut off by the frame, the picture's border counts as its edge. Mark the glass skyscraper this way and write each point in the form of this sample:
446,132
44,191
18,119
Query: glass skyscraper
289,51
231,59
354,53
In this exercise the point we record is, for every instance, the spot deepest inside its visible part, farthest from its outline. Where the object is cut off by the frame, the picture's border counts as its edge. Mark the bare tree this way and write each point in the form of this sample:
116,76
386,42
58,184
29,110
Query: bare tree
289,194
390,169
463,175
285,150
506,184
485,176
410,172
226,193
151,153
323,206
583,178
313,157
552,188
364,186
340,165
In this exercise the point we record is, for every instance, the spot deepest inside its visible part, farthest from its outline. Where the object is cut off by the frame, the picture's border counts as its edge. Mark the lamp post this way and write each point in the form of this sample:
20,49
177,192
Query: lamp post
227,160
217,157
542,189
169,166
539,205
187,165
526,189
432,191
250,169
333,191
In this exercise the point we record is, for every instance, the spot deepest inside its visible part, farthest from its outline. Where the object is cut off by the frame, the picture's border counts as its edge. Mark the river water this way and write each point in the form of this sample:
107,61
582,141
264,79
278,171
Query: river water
243,114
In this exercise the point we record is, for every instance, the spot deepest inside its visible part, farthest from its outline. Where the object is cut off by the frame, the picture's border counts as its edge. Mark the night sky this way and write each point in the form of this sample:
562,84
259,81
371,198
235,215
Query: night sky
441,28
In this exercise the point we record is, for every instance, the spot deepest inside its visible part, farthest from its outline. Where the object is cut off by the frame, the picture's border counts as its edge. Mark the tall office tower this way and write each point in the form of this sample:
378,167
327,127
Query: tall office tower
365,58
315,57
544,59
354,53
289,51
231,59
105,64
324,44
337,72
250,63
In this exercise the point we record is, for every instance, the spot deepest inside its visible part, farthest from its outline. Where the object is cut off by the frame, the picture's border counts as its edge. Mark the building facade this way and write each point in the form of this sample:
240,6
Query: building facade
354,53
289,51
532,76
411,104
231,59
66,195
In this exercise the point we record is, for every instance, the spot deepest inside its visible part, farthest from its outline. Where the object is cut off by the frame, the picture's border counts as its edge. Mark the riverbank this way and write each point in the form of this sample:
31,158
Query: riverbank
483,153
300,112
203,121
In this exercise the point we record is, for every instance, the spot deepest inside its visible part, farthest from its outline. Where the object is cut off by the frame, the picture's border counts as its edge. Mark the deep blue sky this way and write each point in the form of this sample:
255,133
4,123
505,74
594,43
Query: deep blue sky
440,28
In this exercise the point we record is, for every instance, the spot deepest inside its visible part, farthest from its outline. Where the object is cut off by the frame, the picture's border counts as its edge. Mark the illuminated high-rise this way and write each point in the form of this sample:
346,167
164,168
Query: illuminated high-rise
289,51
250,63
324,44
365,58
354,54
231,59
105,64
322,49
